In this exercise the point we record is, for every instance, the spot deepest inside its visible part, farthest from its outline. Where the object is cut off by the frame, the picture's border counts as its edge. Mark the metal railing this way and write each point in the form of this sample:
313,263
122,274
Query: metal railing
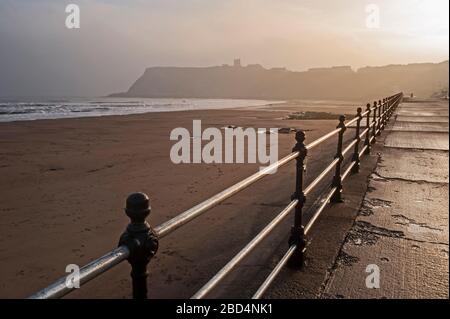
139,243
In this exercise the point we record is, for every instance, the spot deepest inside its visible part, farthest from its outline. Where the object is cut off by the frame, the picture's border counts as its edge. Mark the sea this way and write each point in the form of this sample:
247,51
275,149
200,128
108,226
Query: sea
28,109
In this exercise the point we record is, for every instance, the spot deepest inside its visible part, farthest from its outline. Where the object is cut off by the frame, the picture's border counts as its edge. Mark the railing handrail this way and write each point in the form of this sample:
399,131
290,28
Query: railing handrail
188,215
98,266
93,269
244,252
392,102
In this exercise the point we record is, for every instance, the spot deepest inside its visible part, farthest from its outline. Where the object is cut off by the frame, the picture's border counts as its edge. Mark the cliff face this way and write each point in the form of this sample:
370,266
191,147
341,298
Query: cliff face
256,82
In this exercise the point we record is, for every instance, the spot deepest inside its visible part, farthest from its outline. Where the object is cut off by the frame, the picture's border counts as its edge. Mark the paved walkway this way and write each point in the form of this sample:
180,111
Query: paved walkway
402,228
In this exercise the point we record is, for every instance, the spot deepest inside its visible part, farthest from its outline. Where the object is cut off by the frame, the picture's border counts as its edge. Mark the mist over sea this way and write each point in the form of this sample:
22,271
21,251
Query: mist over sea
28,109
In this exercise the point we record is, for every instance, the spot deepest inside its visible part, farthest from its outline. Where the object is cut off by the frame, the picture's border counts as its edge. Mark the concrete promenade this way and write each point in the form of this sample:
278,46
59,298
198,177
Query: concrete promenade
402,227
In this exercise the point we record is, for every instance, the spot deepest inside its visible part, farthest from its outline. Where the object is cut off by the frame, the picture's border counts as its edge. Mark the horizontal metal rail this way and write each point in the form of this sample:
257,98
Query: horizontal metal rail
319,210
363,150
349,147
322,139
365,113
178,221
114,257
60,288
354,120
244,252
321,176
348,170
266,284
361,136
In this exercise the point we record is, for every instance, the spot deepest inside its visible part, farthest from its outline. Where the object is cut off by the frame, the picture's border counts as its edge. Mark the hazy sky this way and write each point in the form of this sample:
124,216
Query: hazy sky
118,39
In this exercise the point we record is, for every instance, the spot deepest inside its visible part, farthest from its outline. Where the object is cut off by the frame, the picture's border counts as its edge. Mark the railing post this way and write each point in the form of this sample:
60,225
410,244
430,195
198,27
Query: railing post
141,240
367,140
379,118
383,114
388,111
355,158
337,179
374,123
394,101
393,104
389,105
388,101
298,231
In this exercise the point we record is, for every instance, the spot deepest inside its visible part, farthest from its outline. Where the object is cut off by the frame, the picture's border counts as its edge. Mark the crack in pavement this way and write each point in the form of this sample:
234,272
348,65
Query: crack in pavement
411,221
417,148
364,233
370,204
367,233
344,259
418,181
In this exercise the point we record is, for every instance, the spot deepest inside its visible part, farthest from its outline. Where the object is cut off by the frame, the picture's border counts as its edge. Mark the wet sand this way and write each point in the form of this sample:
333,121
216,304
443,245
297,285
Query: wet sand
64,182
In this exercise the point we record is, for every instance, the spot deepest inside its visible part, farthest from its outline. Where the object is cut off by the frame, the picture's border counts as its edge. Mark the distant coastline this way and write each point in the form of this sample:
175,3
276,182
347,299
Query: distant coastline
256,82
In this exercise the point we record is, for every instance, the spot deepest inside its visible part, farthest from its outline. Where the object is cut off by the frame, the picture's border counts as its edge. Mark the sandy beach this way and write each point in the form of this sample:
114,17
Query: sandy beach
64,182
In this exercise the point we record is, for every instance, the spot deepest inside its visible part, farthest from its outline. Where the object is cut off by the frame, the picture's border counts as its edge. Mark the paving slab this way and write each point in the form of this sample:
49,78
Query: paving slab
426,119
408,270
416,211
420,127
406,112
421,106
441,109
413,109
414,165
440,106
418,140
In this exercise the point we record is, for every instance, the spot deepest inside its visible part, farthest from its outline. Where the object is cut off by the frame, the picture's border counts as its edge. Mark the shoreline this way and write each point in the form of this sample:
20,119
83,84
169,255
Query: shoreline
112,107
332,106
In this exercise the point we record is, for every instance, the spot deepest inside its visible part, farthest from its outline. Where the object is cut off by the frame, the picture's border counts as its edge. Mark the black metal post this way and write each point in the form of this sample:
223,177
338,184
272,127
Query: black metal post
337,179
355,158
392,104
379,118
298,231
141,240
388,101
396,101
383,114
374,122
367,140
388,111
